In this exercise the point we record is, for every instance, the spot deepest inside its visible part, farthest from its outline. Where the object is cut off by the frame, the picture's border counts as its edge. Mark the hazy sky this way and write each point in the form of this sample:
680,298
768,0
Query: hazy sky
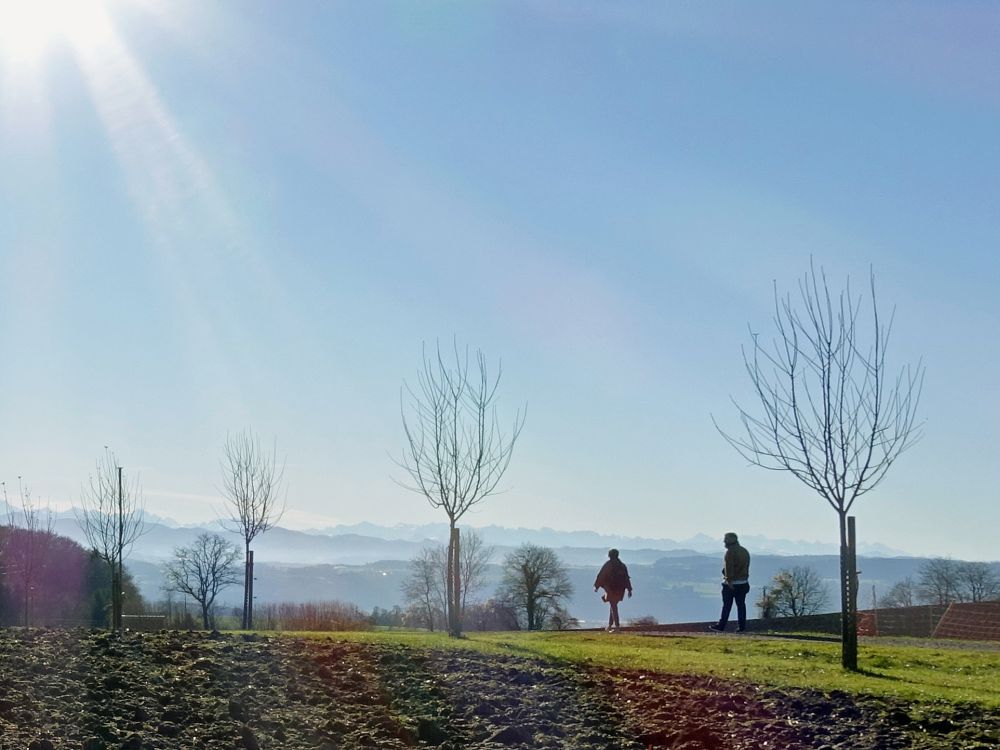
216,215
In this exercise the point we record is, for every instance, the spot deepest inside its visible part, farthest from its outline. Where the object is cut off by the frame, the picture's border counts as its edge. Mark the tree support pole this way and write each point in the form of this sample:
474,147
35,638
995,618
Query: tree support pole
250,591
851,650
118,579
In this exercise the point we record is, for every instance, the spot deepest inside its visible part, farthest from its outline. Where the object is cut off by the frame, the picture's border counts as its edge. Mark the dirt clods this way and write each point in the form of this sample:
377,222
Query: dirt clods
67,690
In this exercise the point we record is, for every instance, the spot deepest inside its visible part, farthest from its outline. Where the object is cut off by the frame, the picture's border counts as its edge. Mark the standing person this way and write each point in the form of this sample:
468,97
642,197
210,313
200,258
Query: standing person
735,583
614,579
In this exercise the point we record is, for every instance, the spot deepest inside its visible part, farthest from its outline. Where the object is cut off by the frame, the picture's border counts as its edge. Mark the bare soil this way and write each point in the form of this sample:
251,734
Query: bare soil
84,689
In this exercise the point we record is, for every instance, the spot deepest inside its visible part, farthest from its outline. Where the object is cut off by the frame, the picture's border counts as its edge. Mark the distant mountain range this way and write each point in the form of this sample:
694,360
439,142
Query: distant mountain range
367,542
547,537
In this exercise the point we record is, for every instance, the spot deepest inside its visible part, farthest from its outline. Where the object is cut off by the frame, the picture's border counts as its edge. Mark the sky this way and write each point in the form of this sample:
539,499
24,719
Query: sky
232,215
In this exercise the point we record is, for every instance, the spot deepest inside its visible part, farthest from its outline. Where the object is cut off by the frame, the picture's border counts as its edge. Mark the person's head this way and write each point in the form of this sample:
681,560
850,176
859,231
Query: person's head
730,539
613,554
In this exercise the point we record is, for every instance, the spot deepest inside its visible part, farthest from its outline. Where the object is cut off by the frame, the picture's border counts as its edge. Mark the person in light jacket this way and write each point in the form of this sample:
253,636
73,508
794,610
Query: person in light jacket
735,583
615,581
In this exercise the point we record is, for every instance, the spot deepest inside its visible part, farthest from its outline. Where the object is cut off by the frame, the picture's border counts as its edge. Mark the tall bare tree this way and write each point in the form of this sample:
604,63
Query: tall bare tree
456,451
829,410
112,519
202,570
251,480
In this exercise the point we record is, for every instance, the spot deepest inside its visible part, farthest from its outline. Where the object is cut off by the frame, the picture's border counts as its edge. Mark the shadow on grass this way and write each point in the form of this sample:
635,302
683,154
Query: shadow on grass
801,637
880,675
536,654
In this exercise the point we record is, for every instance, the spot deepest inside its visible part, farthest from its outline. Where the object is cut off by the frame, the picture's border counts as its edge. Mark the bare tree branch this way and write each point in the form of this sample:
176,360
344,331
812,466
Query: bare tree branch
828,410
456,451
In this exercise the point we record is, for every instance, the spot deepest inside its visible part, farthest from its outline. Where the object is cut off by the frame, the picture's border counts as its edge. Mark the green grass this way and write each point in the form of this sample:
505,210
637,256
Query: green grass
920,674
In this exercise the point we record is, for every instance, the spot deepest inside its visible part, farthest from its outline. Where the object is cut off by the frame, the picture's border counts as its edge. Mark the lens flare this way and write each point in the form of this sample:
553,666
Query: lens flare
28,28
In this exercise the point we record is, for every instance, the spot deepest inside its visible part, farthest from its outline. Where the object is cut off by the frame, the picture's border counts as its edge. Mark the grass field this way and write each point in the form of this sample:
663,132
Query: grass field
919,674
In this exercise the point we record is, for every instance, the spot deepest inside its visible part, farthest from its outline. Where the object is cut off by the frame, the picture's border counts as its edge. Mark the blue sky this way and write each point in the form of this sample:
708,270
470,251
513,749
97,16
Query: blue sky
231,214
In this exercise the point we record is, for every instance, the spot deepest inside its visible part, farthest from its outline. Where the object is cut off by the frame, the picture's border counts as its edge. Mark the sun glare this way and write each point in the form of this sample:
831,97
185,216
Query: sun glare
28,28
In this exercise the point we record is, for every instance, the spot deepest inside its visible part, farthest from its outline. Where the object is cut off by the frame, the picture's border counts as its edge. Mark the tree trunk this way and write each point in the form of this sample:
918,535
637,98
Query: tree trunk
449,579
246,583
114,597
205,619
457,583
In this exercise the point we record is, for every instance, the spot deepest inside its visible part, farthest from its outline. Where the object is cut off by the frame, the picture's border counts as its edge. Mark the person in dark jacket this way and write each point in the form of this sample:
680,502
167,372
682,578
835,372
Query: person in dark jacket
615,581
735,583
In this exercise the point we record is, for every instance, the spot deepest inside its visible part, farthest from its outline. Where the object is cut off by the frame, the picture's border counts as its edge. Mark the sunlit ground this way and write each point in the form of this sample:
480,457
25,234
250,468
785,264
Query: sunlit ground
912,673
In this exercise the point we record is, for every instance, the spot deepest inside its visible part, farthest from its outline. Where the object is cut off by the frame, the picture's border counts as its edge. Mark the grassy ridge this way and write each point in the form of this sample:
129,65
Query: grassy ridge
920,674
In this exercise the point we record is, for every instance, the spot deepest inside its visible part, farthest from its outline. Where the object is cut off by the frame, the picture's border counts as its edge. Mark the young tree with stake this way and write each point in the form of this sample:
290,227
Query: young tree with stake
456,452
112,519
251,481
829,410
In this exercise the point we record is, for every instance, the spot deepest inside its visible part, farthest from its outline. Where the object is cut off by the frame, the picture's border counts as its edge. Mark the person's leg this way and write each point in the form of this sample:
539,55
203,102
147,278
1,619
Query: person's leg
611,615
740,593
727,605
614,614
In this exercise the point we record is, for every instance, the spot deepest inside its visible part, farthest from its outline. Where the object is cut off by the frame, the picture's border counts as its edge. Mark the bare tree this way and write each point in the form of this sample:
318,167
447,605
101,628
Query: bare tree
474,558
830,412
202,570
940,581
112,519
427,583
536,584
797,591
251,481
901,594
423,587
28,551
456,452
980,582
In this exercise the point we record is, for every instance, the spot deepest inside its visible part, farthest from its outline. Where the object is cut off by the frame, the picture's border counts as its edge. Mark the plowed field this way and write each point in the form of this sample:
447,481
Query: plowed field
83,689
